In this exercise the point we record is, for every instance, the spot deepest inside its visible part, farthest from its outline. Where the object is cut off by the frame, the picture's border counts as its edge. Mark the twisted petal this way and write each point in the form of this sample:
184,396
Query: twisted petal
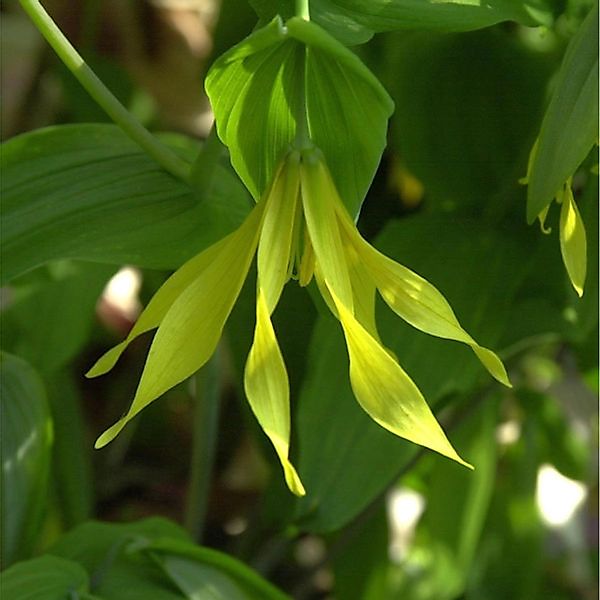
416,300
267,388
387,393
573,243
380,385
265,378
192,326
160,303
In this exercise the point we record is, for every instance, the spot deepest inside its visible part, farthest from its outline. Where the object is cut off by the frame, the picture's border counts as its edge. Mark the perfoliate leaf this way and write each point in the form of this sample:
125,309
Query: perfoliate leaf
570,125
283,78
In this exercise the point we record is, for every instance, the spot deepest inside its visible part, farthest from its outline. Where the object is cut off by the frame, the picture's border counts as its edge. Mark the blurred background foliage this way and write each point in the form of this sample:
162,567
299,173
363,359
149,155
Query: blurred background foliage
382,519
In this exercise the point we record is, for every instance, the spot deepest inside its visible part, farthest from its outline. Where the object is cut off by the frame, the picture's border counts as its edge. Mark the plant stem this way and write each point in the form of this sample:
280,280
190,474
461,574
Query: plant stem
206,392
302,9
101,94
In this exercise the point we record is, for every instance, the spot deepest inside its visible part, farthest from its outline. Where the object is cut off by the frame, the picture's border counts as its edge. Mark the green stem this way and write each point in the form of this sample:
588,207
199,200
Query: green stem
302,9
101,94
206,393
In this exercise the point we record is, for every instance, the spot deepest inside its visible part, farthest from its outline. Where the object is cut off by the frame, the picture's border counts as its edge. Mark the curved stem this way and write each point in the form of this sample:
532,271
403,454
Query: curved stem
101,94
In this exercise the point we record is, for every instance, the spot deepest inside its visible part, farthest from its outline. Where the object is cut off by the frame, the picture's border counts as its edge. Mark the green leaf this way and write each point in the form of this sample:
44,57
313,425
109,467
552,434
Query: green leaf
45,578
198,581
52,311
345,459
355,21
26,442
105,550
154,558
88,192
466,147
570,125
193,567
284,74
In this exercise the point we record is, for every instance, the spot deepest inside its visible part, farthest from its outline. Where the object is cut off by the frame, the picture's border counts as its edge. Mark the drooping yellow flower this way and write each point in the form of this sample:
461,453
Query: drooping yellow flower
573,239
300,224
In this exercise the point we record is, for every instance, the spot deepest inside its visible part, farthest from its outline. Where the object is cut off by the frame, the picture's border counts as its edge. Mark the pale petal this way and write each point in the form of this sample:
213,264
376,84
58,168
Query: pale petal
319,211
573,243
267,389
160,303
190,331
417,301
277,235
363,291
387,393
306,269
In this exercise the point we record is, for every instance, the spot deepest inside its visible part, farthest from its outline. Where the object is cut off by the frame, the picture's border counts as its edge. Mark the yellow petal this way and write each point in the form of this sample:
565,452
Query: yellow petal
319,211
387,393
160,303
267,389
275,250
191,328
265,378
573,243
363,290
417,301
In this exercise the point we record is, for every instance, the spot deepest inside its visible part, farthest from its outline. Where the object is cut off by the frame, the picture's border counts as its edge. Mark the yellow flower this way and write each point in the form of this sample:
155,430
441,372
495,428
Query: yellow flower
300,224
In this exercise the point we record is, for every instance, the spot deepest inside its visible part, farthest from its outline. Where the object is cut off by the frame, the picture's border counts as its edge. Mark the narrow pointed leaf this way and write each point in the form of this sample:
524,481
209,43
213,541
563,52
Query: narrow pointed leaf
570,125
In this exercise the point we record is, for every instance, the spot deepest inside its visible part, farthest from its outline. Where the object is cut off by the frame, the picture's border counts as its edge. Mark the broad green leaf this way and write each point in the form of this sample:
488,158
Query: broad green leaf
355,21
345,459
570,125
283,74
105,550
45,578
52,311
154,558
88,192
465,146
179,558
26,440
198,581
